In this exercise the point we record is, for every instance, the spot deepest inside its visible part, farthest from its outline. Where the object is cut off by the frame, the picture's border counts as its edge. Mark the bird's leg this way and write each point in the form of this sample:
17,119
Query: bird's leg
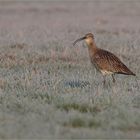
113,78
104,81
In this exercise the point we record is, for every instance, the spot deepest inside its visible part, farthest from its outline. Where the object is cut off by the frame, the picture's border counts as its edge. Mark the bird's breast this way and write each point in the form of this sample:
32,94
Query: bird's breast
95,64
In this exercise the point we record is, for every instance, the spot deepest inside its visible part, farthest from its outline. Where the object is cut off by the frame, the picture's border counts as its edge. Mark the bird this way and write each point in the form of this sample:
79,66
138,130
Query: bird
104,61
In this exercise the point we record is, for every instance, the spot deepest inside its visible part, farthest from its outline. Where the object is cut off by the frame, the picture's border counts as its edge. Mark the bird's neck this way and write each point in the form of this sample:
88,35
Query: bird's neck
91,47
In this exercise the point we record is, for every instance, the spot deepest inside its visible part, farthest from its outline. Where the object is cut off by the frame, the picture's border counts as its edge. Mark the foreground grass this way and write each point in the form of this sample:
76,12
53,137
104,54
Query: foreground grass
63,98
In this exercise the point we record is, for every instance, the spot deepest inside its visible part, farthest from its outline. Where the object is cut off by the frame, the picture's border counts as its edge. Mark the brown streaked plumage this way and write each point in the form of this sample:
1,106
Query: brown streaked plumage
104,61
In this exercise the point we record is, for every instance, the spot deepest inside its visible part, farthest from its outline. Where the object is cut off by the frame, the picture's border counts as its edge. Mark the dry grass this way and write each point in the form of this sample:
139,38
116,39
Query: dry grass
48,88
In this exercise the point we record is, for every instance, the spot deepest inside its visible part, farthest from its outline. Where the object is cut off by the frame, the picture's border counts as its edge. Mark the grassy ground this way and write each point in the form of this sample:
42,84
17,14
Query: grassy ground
49,89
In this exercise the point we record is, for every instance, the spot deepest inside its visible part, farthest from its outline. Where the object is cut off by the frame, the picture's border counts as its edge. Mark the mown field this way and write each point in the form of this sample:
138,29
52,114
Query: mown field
49,89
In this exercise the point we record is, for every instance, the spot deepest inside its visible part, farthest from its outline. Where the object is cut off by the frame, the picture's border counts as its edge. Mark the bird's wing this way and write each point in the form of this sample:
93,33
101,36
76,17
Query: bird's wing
108,61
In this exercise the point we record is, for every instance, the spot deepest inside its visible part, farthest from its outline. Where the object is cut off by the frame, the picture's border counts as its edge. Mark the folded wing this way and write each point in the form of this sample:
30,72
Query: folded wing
109,62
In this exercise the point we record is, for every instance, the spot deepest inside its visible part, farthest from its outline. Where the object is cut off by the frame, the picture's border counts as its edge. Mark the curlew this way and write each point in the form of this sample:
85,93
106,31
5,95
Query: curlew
104,61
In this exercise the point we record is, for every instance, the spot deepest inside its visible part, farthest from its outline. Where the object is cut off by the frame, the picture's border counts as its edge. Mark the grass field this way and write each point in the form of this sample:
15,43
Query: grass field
49,89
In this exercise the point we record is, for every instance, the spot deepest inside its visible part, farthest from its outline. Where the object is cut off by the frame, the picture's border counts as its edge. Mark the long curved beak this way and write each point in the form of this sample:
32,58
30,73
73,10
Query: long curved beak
82,38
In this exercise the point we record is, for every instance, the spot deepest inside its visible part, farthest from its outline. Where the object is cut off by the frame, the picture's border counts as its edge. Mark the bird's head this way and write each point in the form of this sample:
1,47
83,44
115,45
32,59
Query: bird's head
88,38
